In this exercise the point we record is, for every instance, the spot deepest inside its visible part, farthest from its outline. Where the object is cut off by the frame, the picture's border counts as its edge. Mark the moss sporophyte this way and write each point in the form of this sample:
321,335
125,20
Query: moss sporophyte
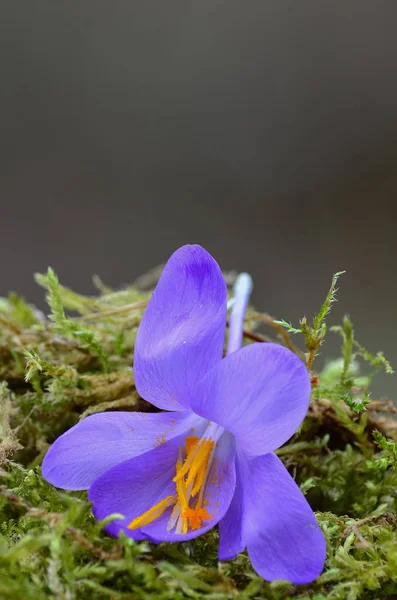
208,458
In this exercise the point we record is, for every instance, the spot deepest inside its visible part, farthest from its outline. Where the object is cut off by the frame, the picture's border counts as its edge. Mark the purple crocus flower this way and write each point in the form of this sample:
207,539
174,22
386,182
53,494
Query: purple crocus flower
209,459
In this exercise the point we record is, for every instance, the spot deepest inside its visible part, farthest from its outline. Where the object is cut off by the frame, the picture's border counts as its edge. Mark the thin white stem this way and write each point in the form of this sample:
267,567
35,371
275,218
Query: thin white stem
242,291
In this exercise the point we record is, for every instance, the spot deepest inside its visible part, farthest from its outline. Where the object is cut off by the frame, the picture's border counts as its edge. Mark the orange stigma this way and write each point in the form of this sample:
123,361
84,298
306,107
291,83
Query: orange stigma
195,516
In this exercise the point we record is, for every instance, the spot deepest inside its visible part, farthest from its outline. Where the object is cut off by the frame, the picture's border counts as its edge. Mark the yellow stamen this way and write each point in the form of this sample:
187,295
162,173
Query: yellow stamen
196,461
187,464
182,496
153,513
199,465
205,478
191,478
199,481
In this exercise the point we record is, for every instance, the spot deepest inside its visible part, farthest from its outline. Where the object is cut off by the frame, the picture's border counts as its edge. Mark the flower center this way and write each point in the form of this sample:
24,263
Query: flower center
189,503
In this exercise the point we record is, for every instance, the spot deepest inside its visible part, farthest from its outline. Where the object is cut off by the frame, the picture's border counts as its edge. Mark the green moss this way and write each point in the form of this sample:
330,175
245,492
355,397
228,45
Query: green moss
56,370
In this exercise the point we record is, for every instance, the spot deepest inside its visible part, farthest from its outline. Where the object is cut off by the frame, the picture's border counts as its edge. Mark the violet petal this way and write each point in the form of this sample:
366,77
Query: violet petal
182,332
103,440
275,522
260,393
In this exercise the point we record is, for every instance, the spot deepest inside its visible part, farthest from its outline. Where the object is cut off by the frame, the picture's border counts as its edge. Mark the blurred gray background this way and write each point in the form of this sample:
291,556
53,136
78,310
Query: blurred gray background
264,130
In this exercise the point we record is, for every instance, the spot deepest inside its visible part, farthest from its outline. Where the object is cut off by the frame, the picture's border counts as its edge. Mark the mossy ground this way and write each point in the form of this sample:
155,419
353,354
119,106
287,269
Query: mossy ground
56,370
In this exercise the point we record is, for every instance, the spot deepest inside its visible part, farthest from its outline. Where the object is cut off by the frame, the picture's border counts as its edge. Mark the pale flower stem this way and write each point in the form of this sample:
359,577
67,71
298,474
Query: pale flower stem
242,291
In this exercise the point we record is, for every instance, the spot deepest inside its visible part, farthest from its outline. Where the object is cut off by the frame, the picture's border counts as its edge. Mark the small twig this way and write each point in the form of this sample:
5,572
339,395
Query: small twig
26,419
76,534
363,543
382,406
113,311
128,401
387,518
252,336
11,325
281,331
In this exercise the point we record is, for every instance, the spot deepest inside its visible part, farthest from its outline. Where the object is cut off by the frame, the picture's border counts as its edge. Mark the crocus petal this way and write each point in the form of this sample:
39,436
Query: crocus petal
103,440
136,485
275,522
182,331
260,393
231,540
